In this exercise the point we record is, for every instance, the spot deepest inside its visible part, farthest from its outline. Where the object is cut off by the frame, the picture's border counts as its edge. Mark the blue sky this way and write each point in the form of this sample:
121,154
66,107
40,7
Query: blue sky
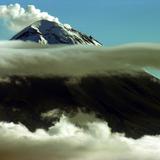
110,21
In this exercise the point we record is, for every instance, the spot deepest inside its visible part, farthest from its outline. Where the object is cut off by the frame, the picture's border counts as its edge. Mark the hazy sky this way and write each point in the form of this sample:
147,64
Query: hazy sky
109,21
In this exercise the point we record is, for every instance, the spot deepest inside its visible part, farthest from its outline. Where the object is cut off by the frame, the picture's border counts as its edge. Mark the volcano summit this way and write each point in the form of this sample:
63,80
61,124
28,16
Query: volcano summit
49,32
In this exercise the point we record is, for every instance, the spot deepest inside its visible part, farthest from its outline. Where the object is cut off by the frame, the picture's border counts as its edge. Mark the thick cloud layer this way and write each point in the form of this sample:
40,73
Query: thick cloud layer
17,17
21,58
82,137
89,140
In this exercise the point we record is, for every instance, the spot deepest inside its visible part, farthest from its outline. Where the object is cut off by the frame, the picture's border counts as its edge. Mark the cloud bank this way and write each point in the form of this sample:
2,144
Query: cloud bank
66,141
27,58
17,17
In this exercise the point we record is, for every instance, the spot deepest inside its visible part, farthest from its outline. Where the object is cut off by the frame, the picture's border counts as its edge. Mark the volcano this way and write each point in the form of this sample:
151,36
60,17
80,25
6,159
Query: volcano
49,32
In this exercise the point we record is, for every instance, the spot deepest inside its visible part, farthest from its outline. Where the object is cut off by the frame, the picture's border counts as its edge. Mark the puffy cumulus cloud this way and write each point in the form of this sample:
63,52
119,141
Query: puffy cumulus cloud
27,58
17,17
67,141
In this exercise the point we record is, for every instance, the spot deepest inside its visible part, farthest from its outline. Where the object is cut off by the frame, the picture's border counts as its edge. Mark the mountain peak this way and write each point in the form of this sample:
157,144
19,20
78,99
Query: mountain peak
50,32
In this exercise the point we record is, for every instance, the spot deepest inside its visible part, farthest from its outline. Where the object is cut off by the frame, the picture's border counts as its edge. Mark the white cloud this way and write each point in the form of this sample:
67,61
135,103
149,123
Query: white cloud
17,17
27,58
67,141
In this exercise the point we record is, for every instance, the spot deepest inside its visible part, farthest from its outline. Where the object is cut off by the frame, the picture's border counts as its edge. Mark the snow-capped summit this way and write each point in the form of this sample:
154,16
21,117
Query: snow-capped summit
49,32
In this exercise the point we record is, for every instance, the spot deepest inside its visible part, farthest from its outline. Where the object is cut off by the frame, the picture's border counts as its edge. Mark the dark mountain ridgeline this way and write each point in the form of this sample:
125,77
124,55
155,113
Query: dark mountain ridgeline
129,103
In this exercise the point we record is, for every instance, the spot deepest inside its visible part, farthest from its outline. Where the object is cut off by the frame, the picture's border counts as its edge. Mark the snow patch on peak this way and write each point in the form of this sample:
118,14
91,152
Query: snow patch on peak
43,40
34,27
67,26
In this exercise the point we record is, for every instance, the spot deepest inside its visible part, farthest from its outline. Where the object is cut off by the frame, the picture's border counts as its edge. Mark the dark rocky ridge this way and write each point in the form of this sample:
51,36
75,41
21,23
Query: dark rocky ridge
130,104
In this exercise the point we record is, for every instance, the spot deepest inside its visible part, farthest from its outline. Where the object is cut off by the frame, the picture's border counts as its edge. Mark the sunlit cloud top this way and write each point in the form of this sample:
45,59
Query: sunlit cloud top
18,17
